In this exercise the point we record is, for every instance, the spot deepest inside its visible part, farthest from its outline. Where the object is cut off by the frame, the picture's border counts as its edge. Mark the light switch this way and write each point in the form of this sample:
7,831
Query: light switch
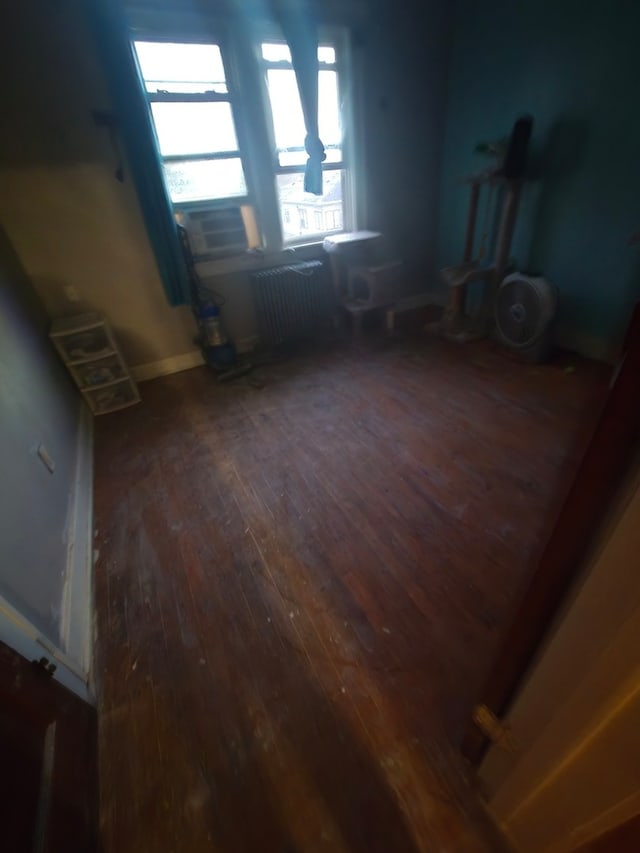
71,293
46,459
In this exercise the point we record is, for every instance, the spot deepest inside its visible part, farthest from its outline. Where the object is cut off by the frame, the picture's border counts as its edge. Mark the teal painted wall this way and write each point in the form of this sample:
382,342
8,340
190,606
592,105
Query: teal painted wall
575,66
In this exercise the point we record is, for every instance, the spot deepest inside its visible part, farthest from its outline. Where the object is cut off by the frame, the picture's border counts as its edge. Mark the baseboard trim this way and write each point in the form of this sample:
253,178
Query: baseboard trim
176,363
247,344
76,628
416,300
614,817
166,366
585,345
23,637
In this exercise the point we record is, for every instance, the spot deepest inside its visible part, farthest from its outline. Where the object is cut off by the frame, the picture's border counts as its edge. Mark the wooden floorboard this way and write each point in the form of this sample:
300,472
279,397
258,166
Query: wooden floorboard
302,577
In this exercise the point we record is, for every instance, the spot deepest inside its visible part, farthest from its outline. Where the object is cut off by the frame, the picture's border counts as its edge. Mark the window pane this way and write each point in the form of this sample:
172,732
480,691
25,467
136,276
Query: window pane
274,52
304,214
327,54
288,121
329,107
199,180
181,67
194,128
279,52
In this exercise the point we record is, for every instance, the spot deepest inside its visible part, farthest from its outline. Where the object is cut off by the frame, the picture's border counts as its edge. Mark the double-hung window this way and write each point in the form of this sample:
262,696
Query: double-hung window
316,215
194,109
192,115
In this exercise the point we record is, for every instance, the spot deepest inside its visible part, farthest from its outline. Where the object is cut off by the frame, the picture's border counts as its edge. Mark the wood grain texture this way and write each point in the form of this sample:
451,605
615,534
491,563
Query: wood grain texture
48,760
300,584
623,839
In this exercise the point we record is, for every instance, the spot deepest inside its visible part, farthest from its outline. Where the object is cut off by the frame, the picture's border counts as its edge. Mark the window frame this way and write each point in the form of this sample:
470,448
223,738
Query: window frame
253,118
284,65
230,97
337,40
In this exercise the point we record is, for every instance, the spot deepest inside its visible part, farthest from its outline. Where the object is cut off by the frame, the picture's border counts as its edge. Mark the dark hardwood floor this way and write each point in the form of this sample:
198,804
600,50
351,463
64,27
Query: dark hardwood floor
301,581
48,762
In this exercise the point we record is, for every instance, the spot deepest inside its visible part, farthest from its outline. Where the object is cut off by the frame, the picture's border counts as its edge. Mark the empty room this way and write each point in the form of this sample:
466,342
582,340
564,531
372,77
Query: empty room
320,406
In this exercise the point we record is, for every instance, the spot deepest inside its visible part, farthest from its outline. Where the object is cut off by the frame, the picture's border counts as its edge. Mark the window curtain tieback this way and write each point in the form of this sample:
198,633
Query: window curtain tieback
313,171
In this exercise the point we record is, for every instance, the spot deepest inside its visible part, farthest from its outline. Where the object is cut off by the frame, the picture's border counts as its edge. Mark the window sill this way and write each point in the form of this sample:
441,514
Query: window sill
251,263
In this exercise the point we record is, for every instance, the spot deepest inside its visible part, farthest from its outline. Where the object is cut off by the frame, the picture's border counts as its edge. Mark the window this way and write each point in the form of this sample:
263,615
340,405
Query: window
289,132
192,114
206,138
334,220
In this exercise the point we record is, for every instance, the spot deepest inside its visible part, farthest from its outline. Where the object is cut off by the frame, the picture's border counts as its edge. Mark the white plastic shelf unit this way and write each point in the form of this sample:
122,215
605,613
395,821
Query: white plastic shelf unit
89,350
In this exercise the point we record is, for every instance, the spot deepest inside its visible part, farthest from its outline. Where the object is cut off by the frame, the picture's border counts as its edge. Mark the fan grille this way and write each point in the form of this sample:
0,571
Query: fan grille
519,312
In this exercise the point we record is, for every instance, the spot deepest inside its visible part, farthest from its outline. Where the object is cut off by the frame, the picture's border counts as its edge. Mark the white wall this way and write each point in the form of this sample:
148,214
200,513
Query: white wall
38,405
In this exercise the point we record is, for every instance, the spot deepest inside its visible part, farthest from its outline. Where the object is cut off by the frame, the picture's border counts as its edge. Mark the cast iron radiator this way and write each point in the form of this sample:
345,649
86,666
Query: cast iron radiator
292,300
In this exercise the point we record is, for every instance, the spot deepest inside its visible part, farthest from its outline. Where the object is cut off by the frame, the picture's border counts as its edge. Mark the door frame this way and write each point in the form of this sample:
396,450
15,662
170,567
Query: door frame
20,634
600,474
73,658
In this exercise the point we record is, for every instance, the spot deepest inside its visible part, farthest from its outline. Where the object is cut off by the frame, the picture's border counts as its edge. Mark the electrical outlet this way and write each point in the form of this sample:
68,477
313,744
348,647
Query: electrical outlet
46,459
71,293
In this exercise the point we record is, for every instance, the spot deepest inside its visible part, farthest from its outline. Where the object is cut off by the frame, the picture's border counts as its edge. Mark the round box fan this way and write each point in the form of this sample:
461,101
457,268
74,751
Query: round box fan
524,313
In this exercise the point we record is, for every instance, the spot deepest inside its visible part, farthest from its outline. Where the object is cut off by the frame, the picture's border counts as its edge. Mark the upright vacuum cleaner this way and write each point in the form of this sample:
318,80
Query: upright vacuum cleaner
217,348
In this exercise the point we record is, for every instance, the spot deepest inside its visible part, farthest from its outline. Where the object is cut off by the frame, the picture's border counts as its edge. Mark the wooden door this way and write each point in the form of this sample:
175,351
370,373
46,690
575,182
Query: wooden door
48,749
571,767
606,461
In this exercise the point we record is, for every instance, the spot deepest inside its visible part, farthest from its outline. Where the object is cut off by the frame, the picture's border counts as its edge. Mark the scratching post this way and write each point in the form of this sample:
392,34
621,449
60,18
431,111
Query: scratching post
458,297
455,324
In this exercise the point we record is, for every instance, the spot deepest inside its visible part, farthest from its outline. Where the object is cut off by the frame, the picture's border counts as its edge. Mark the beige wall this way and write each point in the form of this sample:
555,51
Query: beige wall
75,226
70,221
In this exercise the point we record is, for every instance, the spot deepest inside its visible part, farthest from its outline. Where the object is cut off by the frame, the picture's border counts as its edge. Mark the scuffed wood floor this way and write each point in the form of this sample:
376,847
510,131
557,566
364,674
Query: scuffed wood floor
300,586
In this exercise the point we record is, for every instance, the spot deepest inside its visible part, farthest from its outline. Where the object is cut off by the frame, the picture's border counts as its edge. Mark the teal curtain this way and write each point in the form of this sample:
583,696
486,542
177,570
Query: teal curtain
300,32
135,129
